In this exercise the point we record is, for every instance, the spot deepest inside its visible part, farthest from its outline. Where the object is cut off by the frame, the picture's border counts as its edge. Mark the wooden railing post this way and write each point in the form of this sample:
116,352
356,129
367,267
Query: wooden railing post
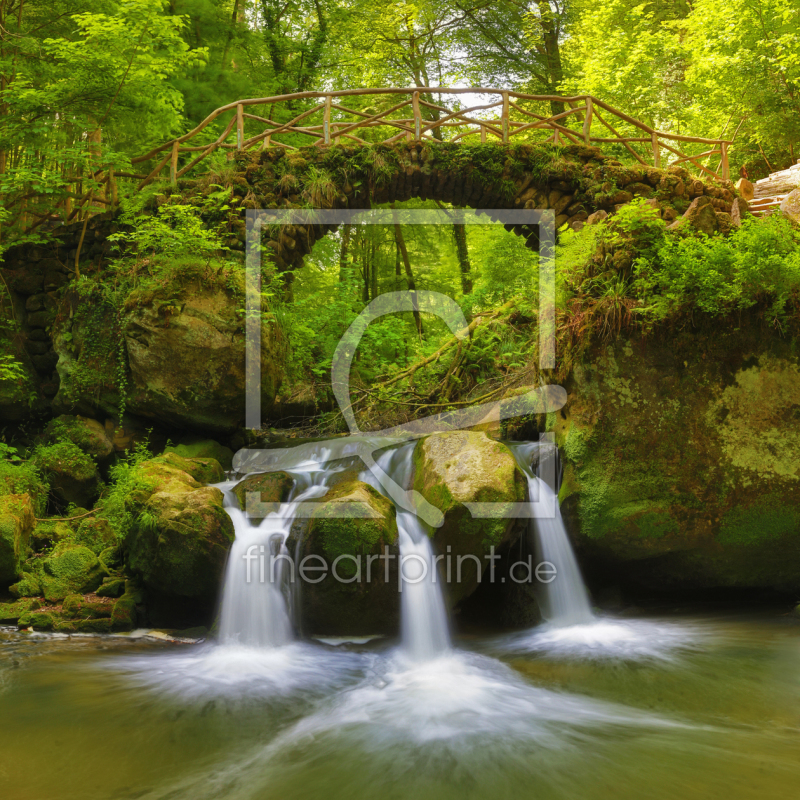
483,134
726,172
326,121
504,117
173,164
587,121
417,116
239,126
656,152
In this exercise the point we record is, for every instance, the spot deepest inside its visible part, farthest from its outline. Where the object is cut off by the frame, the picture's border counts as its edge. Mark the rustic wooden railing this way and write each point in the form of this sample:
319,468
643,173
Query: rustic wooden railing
505,116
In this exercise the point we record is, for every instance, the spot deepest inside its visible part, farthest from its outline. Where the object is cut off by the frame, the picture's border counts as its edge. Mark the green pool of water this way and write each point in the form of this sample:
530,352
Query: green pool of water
682,708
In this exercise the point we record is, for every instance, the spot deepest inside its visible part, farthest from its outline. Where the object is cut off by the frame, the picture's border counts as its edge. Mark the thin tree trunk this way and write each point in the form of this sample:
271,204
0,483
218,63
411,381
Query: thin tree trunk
343,253
412,287
460,235
374,270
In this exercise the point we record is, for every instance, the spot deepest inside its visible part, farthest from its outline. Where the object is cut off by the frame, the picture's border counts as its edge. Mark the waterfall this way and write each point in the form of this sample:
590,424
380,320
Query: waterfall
258,613
422,610
256,600
564,600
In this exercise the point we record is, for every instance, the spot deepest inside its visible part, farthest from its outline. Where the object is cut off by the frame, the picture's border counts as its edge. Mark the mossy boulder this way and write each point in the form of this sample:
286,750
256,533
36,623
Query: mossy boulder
11,612
180,541
112,587
95,533
352,604
460,467
192,447
185,346
87,434
180,342
16,526
272,487
681,458
38,620
70,569
29,585
78,607
48,533
72,475
124,614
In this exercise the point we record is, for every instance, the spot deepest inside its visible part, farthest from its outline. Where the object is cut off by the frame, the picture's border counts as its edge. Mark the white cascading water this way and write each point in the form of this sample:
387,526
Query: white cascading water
422,609
256,612
565,600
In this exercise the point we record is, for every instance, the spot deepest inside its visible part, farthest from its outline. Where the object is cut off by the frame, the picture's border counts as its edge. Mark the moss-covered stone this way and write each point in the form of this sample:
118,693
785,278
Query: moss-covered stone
96,534
29,585
682,459
87,434
11,612
78,607
47,533
16,526
72,475
164,467
70,569
38,620
123,615
111,587
361,600
273,487
180,540
204,448
460,467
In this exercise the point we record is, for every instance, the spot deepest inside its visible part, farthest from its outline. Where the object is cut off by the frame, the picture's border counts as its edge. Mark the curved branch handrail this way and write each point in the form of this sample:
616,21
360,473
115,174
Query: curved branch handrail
340,122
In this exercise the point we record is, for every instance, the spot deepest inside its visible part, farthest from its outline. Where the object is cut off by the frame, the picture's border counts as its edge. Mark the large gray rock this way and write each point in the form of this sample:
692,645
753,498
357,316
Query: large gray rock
180,349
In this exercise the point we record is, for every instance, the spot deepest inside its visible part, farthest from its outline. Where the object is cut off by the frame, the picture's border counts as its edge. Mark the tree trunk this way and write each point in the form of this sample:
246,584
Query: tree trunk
412,287
460,235
343,270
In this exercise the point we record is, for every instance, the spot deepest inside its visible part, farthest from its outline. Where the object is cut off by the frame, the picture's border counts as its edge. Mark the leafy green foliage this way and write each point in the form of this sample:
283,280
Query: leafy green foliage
126,481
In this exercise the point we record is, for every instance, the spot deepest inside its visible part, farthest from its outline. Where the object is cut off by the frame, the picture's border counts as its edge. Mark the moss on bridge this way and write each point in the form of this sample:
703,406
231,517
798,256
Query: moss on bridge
573,180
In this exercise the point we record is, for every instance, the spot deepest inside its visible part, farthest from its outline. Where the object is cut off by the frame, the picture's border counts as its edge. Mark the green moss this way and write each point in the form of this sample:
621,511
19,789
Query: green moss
65,458
112,587
655,524
274,487
38,620
759,523
203,470
123,615
28,586
354,536
69,569
205,448
11,612
24,477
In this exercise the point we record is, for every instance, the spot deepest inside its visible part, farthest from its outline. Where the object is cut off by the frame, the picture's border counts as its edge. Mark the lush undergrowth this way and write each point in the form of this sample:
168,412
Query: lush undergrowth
632,273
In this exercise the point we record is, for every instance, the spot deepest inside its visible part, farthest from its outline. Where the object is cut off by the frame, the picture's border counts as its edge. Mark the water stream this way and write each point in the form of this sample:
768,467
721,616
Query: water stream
564,600
422,609
677,707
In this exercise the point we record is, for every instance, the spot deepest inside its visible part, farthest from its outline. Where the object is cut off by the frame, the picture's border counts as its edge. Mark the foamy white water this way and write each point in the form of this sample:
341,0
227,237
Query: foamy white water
422,609
564,601
256,594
